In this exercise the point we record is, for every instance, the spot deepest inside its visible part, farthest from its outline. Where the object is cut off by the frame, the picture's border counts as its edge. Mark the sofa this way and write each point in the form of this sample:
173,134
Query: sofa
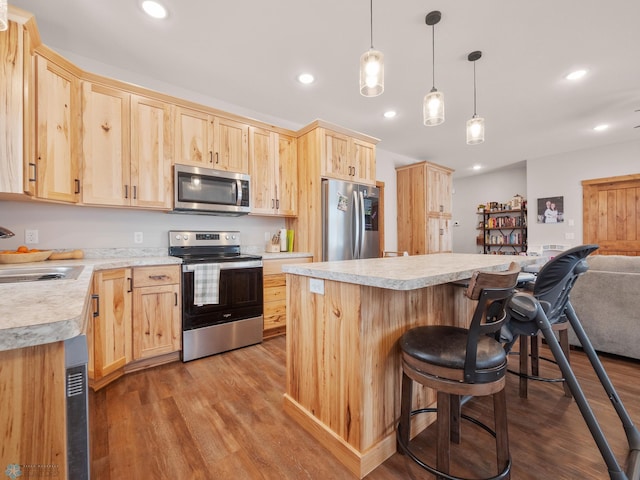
607,301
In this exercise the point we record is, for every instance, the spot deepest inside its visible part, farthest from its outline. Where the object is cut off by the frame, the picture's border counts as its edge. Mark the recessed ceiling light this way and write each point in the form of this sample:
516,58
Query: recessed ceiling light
601,127
154,9
390,114
477,167
306,78
578,74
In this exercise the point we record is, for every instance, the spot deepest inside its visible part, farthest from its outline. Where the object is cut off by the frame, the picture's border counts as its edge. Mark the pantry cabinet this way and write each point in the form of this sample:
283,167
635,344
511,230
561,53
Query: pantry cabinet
109,332
206,140
56,170
126,148
274,173
156,311
424,208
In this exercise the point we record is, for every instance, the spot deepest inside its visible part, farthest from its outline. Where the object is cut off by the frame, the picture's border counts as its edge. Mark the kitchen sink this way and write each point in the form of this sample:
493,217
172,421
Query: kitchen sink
39,274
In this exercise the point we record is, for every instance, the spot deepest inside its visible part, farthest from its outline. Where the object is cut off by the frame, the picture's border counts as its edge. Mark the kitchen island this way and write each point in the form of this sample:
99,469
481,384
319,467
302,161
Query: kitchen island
343,364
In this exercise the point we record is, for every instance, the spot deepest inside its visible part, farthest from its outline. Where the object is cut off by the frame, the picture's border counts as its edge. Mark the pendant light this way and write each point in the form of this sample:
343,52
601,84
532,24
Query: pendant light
371,68
433,103
4,21
475,125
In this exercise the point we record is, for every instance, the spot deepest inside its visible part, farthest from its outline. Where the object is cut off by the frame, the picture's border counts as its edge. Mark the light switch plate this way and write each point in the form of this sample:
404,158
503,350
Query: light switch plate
316,285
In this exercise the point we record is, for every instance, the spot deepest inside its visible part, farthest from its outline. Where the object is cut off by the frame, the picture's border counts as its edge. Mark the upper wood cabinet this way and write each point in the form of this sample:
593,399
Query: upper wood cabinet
11,109
348,158
206,140
57,174
424,208
274,173
126,149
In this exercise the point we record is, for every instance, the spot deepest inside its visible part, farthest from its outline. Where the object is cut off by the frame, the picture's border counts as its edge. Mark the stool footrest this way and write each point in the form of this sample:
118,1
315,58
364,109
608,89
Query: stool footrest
404,449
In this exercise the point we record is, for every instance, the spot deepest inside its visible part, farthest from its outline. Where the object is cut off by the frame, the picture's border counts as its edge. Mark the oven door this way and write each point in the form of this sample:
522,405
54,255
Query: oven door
240,295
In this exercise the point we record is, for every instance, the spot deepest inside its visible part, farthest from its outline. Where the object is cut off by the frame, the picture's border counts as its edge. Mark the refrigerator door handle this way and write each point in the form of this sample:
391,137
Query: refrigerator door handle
362,225
356,226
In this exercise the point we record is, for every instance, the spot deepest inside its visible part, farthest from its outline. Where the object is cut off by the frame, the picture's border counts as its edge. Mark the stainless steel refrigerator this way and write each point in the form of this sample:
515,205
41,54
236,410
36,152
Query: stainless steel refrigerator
349,221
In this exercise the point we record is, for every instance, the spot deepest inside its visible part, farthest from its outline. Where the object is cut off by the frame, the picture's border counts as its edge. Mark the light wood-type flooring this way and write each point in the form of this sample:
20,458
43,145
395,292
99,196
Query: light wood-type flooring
221,418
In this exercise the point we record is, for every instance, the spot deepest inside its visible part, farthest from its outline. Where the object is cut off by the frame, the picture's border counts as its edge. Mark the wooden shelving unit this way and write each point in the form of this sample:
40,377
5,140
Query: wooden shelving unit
502,232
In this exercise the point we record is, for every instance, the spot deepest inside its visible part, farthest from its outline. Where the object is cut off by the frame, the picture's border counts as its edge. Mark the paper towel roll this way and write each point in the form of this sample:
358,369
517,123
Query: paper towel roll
283,239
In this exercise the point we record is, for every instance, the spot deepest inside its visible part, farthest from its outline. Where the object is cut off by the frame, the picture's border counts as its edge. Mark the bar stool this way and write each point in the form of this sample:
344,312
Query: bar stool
459,362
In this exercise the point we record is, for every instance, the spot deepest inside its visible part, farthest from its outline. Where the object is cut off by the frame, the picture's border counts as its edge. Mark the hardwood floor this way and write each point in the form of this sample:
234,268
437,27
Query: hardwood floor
221,418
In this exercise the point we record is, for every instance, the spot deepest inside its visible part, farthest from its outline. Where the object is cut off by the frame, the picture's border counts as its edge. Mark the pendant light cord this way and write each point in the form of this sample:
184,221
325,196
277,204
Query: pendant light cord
371,29
474,88
433,55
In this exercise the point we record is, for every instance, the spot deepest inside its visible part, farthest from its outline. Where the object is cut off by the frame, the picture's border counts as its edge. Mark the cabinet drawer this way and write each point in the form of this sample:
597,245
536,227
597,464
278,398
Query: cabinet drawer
156,275
274,266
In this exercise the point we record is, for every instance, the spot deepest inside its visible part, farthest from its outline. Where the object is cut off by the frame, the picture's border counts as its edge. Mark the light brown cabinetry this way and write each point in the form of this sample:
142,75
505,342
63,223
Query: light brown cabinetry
348,158
126,148
135,321
156,311
109,332
275,295
56,173
274,173
11,108
424,208
206,140
326,150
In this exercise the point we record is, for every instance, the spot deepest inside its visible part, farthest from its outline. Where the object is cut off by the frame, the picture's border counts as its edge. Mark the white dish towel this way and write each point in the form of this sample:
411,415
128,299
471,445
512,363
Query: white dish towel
206,279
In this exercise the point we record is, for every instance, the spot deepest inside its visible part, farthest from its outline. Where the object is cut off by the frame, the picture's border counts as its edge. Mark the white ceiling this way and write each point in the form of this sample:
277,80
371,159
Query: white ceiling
249,52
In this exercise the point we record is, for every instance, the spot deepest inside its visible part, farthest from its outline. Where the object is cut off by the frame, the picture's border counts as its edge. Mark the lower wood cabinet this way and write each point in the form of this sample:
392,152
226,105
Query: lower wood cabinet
275,295
135,321
156,307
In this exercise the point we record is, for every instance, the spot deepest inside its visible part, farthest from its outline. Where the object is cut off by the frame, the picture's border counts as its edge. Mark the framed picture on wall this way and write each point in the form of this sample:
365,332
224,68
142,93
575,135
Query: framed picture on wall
551,210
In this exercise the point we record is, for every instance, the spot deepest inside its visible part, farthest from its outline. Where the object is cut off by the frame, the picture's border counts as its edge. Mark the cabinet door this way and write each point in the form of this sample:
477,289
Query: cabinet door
105,145
58,111
262,170
438,235
438,191
151,143
112,325
231,145
335,161
194,138
286,164
364,158
156,320
11,110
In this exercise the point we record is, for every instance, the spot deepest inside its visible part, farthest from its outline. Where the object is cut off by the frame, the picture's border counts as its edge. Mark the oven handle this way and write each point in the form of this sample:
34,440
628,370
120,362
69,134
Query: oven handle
227,265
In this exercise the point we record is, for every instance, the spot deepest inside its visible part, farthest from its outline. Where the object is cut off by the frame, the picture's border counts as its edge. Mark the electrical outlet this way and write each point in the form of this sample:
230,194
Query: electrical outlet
137,237
316,285
31,236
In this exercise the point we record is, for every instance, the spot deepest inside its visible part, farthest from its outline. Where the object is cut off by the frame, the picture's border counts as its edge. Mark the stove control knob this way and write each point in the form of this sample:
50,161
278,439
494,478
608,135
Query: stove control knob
233,237
185,237
226,237
178,237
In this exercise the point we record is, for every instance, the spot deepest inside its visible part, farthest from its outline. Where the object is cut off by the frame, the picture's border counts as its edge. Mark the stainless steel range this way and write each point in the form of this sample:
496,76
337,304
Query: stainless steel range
222,298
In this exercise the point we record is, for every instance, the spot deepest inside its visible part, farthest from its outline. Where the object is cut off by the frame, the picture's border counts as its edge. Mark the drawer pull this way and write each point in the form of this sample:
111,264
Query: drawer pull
159,277
96,297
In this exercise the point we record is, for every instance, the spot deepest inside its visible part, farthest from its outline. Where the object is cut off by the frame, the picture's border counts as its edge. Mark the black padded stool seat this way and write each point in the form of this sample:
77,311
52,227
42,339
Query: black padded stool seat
447,347
460,362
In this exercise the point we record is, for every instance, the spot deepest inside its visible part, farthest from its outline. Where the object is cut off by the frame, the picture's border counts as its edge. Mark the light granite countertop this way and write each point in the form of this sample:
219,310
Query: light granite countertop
407,273
35,313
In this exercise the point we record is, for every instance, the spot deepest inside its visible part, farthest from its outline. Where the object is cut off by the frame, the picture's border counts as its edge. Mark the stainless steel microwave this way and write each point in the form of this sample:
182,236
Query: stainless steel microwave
208,191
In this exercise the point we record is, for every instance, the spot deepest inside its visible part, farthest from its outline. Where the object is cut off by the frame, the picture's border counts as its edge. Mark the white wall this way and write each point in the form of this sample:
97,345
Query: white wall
469,192
561,175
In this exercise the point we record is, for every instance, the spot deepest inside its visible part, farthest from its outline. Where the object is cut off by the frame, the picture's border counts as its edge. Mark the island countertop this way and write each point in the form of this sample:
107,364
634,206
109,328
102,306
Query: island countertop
35,313
407,273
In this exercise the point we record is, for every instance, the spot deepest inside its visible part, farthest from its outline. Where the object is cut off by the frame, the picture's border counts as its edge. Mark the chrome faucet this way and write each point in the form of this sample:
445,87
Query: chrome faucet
5,233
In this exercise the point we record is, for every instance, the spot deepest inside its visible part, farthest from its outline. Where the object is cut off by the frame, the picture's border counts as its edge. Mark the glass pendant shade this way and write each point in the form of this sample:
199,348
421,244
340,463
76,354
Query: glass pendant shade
4,21
475,130
372,73
433,108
